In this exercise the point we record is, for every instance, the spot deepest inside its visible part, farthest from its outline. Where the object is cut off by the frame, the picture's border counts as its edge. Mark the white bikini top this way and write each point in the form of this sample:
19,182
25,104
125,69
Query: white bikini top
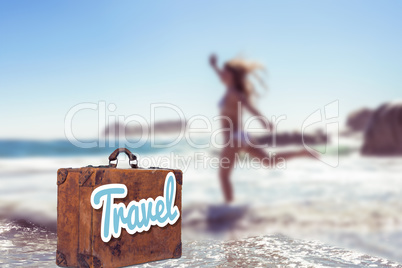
221,103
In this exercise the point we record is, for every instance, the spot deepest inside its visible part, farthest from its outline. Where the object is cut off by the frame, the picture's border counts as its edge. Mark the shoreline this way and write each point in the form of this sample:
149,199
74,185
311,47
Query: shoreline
30,245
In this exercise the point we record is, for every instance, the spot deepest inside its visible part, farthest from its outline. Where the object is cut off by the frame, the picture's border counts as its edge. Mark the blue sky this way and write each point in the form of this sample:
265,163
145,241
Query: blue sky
56,54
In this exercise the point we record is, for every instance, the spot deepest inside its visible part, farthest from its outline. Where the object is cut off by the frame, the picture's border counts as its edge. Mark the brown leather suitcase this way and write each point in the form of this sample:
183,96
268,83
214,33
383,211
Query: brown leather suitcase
109,217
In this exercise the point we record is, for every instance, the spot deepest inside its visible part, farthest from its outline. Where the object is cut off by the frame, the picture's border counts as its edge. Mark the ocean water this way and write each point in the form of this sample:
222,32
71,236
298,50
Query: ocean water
304,214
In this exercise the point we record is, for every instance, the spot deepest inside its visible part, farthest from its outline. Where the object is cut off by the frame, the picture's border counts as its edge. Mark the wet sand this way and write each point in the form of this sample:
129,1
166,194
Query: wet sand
27,245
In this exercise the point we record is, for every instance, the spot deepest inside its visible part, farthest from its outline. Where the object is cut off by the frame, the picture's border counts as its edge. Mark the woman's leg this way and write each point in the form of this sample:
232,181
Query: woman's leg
225,169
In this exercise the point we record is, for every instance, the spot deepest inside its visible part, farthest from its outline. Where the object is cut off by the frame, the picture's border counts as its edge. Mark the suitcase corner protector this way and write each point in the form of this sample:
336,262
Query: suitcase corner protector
177,251
179,176
62,175
61,259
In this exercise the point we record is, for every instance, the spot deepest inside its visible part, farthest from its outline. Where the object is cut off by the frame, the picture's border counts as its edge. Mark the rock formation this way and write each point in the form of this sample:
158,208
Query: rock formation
358,120
383,135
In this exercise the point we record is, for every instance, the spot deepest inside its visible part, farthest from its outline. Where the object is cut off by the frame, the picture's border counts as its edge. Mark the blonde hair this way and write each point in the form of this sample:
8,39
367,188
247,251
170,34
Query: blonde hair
240,70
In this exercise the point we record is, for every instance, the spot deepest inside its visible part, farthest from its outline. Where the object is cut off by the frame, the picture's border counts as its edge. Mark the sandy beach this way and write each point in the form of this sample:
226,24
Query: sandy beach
26,245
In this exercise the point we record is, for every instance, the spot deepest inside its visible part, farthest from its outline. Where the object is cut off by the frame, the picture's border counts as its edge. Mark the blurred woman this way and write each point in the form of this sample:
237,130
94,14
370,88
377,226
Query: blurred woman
239,91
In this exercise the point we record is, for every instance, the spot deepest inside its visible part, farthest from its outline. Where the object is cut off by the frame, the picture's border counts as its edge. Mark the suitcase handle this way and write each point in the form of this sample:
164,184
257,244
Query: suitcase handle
131,157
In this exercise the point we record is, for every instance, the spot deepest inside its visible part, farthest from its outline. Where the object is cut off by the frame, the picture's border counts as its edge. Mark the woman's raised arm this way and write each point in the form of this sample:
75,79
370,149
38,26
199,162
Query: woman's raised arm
213,60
